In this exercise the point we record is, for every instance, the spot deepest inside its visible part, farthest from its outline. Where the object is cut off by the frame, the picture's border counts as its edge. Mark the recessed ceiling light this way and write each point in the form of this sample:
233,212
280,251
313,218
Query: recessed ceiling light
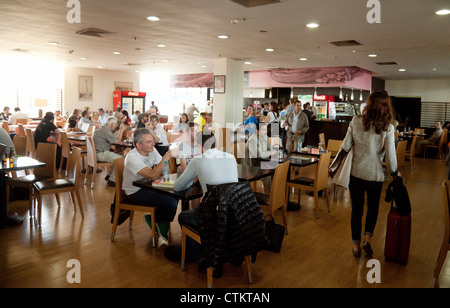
116,52
373,56
248,62
203,66
402,70
53,43
270,49
303,59
443,12
83,58
153,18
434,69
161,45
164,60
312,25
222,36
99,66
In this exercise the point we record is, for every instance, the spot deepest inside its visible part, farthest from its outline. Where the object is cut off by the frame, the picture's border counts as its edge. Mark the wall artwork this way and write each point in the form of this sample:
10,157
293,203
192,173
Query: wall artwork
85,88
123,86
219,84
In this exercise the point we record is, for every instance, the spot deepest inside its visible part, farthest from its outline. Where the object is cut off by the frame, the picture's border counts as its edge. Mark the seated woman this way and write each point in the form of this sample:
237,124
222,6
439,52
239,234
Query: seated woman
182,124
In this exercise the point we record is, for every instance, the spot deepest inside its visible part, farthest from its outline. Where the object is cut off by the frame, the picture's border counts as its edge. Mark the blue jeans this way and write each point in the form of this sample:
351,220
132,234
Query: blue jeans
167,206
193,249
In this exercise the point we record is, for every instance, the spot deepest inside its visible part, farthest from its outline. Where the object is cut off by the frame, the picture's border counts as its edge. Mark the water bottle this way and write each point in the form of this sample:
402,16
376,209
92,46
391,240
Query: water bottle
166,176
280,154
299,145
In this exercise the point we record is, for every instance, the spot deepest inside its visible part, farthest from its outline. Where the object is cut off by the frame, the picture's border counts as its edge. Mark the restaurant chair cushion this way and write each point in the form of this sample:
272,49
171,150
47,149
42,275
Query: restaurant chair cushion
262,198
303,181
30,179
59,183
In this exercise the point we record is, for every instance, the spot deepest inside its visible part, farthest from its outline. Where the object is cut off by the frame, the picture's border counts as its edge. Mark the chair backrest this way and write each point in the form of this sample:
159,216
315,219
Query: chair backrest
5,126
445,246
119,165
20,145
334,146
22,121
420,131
172,165
321,180
91,155
396,135
443,140
322,138
401,152
277,196
73,172
66,126
21,130
46,152
65,146
31,147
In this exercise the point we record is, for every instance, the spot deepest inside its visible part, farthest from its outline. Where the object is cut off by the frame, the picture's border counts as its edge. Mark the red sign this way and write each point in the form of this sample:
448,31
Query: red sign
133,93
320,97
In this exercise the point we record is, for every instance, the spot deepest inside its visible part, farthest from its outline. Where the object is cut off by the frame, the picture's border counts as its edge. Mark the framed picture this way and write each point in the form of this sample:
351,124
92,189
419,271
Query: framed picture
85,84
123,86
219,84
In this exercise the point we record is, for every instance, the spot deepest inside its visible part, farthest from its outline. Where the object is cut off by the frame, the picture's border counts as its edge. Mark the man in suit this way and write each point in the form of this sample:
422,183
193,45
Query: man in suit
298,124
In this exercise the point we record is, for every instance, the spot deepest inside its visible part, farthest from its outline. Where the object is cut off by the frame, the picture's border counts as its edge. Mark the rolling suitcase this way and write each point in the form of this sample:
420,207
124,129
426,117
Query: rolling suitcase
398,237
398,228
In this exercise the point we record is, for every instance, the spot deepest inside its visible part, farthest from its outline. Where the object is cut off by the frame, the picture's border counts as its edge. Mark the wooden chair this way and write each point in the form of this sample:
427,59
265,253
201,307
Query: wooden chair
22,121
46,152
412,153
122,203
70,184
319,182
20,145
21,131
442,146
5,126
334,146
276,199
401,154
91,160
30,148
90,129
445,246
194,234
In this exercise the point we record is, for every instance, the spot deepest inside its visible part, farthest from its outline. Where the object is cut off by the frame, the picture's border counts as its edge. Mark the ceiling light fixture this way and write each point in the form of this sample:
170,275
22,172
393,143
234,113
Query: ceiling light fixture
313,25
83,58
222,36
303,59
248,62
53,43
402,70
443,12
116,52
373,56
153,18
161,45
270,49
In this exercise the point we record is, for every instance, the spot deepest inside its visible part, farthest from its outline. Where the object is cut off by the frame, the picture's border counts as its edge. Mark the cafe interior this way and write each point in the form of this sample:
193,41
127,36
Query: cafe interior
66,55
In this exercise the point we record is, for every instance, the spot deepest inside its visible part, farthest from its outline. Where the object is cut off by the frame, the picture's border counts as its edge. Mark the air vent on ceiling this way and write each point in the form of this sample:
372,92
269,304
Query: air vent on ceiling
386,63
346,43
94,32
253,3
21,50
130,64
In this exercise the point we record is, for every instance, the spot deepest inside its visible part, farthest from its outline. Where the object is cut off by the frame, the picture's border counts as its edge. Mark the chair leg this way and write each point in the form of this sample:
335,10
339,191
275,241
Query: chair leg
153,220
80,206
39,208
115,222
74,203
248,264
183,249
284,214
94,170
209,277
130,223
57,199
316,203
325,191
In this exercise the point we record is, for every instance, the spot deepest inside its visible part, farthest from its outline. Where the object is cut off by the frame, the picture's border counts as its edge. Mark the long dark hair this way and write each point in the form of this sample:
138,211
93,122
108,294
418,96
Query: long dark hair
378,112
275,108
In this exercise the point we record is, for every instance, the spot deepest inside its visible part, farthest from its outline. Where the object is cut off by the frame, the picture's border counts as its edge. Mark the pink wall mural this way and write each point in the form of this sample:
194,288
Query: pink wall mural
192,80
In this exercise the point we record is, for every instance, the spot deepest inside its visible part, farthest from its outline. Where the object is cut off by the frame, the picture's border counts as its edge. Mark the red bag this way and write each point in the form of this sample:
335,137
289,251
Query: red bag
398,237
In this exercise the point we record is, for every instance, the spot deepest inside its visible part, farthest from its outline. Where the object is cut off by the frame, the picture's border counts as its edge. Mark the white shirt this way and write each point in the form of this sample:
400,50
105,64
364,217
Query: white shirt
135,162
17,115
161,134
187,151
102,118
272,117
295,120
214,167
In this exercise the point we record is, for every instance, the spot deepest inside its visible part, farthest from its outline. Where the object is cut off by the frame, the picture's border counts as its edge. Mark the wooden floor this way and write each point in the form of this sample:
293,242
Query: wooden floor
315,253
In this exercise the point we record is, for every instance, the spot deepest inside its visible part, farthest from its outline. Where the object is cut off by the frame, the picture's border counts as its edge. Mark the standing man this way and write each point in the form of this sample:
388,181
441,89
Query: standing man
307,111
190,112
143,162
298,124
103,138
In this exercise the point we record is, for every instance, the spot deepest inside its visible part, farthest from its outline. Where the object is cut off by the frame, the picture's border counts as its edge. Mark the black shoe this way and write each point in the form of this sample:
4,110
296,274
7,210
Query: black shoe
107,177
368,249
111,183
356,253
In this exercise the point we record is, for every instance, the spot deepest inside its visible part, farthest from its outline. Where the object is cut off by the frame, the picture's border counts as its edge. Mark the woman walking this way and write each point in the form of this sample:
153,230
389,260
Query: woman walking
372,138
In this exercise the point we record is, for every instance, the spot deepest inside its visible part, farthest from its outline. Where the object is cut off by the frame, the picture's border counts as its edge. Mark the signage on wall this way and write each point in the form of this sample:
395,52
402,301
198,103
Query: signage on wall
320,97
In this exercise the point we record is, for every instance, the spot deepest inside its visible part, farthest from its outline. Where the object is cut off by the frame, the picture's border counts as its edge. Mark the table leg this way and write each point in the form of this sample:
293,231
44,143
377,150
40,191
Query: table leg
6,220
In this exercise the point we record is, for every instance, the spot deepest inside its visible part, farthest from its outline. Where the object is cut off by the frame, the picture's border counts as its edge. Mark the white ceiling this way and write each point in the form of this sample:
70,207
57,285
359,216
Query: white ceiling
410,33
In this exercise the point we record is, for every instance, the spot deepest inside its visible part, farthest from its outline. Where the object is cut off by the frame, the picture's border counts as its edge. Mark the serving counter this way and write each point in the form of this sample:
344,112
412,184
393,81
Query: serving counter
331,129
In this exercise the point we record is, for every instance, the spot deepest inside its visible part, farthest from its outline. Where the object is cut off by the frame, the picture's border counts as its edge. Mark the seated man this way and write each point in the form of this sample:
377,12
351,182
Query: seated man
213,167
189,148
159,135
144,162
103,138
433,140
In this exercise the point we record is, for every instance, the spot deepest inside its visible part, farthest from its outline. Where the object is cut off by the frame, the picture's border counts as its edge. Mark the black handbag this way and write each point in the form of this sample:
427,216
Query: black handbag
274,235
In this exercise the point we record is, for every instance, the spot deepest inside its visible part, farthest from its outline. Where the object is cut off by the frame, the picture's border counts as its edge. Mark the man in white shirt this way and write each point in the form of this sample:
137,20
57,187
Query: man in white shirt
159,135
189,148
102,116
17,115
143,162
213,167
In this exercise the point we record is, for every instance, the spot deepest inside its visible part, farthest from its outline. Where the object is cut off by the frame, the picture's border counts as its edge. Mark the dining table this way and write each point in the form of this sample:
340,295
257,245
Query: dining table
20,163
